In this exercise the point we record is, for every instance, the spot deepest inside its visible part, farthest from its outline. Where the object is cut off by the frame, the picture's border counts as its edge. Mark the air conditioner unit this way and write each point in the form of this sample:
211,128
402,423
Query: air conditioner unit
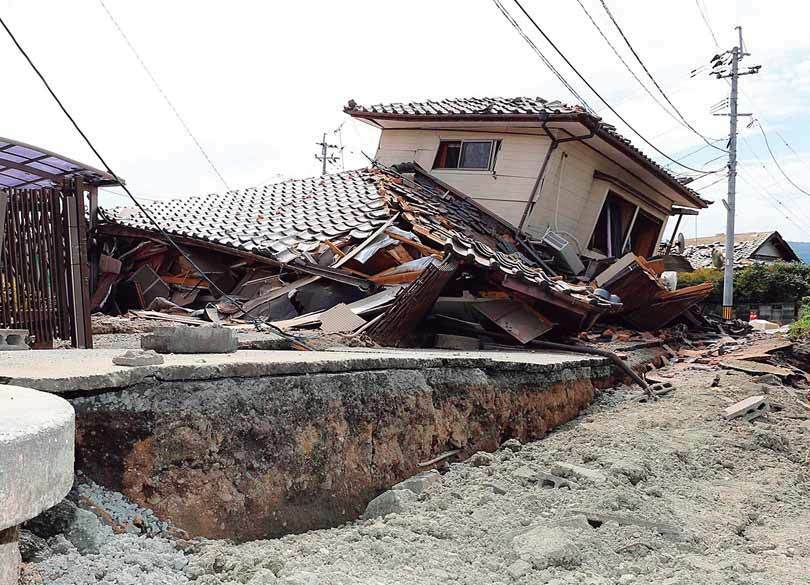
565,252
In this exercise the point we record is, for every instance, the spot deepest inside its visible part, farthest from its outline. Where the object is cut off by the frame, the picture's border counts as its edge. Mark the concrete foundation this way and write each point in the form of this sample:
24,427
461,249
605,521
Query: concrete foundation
36,463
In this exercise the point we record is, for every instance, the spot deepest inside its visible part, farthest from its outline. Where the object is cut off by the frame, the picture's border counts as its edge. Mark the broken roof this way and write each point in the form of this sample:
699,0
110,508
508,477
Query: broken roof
285,220
26,166
746,246
517,109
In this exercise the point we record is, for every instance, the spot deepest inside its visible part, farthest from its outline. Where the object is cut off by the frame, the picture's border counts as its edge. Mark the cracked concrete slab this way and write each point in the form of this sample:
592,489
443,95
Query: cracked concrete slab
70,371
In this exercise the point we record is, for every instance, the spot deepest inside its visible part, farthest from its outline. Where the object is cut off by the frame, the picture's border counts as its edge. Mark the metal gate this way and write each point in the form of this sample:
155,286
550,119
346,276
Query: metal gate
43,264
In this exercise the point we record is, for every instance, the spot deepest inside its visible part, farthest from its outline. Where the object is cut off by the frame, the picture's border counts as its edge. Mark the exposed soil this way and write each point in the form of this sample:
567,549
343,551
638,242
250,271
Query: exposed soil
262,457
670,494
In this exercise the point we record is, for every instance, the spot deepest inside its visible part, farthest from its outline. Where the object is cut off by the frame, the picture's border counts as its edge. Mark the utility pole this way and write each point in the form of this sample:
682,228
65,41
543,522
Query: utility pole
326,155
721,71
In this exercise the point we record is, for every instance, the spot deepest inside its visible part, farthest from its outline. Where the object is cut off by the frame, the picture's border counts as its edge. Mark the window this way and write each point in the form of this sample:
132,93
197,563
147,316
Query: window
466,154
612,226
623,227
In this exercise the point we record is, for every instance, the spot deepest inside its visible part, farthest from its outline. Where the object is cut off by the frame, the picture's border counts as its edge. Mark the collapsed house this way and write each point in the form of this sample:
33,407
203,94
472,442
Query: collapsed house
533,218
749,248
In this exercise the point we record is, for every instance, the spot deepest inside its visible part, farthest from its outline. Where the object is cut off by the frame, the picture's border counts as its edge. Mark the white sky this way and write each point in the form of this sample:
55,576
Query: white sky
258,82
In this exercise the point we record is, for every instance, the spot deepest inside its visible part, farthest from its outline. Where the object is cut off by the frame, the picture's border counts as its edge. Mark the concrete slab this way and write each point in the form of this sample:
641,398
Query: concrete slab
36,452
80,370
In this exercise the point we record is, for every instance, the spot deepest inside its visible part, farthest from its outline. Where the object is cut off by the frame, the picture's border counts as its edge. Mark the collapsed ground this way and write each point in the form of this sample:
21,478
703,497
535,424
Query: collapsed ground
666,492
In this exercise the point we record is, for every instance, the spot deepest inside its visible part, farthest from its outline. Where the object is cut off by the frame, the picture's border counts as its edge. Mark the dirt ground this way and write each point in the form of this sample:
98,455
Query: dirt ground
665,492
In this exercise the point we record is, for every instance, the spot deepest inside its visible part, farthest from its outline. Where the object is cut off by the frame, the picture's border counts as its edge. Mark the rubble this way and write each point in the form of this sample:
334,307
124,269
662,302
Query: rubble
391,252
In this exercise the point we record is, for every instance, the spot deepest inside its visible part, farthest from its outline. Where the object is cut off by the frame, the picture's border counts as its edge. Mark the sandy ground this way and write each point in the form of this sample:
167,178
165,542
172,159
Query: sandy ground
665,492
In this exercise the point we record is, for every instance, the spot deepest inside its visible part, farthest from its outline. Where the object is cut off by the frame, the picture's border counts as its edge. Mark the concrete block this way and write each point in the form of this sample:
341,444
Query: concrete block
36,453
13,339
578,471
749,409
458,342
549,480
420,482
390,502
185,339
138,357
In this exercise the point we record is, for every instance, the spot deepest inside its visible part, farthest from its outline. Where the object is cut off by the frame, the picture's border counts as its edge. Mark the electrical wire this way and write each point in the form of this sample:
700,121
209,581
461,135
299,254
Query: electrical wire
540,54
706,22
121,183
678,118
654,80
717,45
611,108
776,162
766,195
164,95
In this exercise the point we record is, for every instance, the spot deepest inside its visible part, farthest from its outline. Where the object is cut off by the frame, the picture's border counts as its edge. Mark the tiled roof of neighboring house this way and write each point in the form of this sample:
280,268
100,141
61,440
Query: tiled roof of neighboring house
518,108
699,250
284,220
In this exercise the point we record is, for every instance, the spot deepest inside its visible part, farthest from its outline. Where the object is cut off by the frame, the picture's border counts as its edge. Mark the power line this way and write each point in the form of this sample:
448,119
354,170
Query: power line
717,45
121,183
706,22
540,54
723,178
611,108
776,162
766,196
650,75
164,95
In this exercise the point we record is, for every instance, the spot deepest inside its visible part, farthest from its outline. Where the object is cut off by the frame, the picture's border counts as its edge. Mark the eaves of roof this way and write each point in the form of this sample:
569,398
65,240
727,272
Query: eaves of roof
601,129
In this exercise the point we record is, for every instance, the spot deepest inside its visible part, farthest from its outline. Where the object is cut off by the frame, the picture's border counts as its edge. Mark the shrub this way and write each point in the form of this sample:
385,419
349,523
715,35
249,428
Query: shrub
757,283
801,328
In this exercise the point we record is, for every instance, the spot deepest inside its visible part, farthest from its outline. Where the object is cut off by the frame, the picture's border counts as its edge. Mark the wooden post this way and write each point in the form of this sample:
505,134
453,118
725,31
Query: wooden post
84,267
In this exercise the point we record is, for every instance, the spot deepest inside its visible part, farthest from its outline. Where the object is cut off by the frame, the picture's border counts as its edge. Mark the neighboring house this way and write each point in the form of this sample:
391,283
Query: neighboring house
538,165
802,250
749,247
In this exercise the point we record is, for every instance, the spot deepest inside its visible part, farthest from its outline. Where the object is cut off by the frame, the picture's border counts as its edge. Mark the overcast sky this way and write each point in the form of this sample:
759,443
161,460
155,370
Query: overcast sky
258,83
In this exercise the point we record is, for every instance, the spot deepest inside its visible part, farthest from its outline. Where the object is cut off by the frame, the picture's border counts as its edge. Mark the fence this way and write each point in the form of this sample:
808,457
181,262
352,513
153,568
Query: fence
43,264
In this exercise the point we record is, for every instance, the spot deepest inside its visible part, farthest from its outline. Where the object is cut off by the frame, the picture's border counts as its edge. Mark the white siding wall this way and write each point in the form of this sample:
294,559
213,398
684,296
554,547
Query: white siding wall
580,196
768,249
506,191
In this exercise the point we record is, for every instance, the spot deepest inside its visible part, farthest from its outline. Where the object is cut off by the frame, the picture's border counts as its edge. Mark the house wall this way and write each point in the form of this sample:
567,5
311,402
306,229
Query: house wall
570,198
504,192
769,250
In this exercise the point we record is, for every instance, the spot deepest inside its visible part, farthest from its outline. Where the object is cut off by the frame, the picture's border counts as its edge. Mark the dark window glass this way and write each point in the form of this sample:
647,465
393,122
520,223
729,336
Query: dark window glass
475,155
448,155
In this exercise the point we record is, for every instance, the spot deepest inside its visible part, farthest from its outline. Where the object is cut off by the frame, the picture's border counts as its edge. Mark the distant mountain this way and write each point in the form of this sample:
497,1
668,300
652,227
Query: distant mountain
802,249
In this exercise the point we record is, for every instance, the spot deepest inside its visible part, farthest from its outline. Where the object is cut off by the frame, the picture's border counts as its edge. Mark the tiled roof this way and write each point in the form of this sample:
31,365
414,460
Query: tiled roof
524,107
279,220
699,250
470,107
284,220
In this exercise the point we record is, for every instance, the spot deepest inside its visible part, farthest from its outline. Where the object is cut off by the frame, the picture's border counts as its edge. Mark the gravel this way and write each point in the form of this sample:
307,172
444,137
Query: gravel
665,492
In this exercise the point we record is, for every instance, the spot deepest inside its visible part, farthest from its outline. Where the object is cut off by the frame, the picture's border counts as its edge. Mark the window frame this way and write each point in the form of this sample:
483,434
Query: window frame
495,146
626,245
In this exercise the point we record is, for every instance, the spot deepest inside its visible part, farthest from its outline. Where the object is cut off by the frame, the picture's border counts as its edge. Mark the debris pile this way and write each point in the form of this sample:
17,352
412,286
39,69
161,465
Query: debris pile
392,253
